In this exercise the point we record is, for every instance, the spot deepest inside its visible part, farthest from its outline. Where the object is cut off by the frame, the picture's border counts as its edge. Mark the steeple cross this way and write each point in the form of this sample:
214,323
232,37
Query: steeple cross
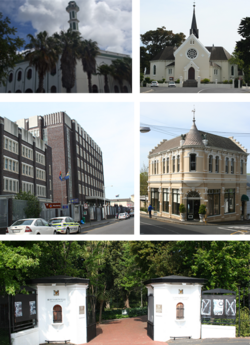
193,111
194,4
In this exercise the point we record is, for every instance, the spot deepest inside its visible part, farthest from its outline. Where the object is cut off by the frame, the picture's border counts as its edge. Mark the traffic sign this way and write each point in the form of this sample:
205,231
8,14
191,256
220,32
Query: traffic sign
65,206
85,206
53,205
74,201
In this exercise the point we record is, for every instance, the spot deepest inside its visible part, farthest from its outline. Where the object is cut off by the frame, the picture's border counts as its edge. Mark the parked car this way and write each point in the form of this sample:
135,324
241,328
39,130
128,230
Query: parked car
154,83
171,84
132,214
122,216
31,226
65,225
127,215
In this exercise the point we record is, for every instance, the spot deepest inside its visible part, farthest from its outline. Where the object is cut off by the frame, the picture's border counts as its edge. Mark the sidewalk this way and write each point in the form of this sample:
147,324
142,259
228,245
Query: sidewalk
193,223
97,222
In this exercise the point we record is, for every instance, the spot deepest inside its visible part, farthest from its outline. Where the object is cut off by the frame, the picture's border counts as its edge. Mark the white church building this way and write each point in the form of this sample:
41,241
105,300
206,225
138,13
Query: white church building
24,78
192,61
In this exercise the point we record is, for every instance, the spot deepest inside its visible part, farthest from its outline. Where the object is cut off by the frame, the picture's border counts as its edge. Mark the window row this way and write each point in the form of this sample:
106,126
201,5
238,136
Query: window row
27,152
11,185
28,187
213,165
27,170
11,165
213,208
40,158
40,174
40,190
10,145
53,89
29,73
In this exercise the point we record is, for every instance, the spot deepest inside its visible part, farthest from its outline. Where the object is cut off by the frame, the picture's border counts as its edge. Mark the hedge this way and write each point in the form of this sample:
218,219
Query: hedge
117,314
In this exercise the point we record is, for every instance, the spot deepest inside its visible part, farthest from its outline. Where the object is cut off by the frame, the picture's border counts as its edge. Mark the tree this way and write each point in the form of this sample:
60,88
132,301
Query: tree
43,53
105,71
243,46
145,58
89,51
241,65
33,208
9,46
69,43
157,40
121,69
144,180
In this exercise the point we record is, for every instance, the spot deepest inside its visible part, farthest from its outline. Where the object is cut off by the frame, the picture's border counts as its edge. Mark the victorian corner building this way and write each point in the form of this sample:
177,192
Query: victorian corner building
198,168
24,78
192,61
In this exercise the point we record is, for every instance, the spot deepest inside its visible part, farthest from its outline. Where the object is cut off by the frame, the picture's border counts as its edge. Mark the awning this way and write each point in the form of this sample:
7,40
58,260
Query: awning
244,197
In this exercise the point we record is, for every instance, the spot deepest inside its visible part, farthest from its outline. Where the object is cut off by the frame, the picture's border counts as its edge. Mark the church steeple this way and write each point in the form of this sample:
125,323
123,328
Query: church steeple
194,30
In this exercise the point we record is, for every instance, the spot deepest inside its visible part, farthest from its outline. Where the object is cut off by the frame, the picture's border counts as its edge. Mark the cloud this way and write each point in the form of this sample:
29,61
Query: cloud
109,22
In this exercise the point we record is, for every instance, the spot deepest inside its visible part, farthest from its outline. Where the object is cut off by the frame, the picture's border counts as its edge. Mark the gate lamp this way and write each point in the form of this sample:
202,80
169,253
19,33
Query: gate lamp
145,129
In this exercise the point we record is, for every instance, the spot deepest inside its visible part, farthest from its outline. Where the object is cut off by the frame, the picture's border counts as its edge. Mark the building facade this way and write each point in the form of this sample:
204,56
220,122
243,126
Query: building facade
73,152
198,168
192,60
26,163
24,78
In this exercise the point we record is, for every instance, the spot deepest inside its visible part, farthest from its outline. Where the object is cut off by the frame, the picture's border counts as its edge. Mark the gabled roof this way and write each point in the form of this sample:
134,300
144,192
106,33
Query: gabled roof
218,53
187,42
166,54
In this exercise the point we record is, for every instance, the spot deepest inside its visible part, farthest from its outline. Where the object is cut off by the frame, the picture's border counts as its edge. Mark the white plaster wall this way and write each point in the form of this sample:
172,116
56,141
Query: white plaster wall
211,331
165,324
27,337
73,326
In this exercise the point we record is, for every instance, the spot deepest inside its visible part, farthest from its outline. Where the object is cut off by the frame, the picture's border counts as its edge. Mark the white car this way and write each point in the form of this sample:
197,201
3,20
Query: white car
154,83
122,216
171,84
65,225
31,226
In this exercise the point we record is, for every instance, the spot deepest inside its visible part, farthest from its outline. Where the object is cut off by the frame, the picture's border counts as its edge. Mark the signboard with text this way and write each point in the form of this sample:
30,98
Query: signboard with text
52,205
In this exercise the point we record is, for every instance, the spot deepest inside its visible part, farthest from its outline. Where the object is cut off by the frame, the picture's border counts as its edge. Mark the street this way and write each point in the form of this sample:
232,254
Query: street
190,90
159,227
120,227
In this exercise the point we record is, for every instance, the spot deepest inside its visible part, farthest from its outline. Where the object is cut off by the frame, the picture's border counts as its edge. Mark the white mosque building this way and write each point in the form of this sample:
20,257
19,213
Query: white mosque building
24,78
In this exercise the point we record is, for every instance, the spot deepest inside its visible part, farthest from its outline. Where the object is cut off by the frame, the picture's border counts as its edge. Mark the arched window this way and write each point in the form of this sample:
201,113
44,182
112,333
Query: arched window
125,89
116,88
29,74
28,91
193,162
53,89
154,70
232,70
37,91
9,91
10,77
94,89
19,76
57,314
18,91
180,311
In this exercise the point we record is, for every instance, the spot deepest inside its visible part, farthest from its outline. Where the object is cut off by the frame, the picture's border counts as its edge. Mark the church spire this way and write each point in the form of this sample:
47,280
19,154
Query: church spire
194,30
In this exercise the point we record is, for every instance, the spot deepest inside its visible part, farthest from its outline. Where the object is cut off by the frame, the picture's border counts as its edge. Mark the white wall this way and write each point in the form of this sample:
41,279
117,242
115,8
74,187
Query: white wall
73,326
27,337
212,331
165,324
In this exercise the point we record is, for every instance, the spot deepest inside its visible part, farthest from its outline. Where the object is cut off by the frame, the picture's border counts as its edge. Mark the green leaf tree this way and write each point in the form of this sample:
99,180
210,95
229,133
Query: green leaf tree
89,51
243,46
144,180
33,208
9,46
237,60
105,71
121,70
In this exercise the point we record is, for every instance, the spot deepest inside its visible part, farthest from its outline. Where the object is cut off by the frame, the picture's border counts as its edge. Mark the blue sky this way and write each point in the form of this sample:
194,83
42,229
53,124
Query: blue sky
225,117
217,21
102,121
109,22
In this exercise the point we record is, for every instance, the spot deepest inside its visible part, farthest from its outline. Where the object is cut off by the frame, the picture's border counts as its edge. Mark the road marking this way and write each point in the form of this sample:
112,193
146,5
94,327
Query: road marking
148,91
201,90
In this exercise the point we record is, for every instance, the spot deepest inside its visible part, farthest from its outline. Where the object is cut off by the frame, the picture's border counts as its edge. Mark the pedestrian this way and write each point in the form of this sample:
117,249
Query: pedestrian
150,208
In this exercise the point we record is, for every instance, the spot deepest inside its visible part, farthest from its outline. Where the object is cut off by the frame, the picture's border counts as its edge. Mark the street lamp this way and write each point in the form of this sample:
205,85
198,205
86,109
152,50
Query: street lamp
145,129
105,200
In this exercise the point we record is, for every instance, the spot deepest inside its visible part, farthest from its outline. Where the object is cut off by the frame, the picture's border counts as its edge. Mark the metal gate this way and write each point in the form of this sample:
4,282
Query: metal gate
91,318
98,213
4,319
150,324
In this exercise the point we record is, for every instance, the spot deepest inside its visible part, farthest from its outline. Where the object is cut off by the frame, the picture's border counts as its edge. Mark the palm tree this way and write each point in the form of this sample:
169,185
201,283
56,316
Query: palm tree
128,71
89,52
69,42
104,70
121,69
43,53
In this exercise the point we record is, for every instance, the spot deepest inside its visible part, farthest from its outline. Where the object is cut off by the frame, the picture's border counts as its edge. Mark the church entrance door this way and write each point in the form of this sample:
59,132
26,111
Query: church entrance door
191,73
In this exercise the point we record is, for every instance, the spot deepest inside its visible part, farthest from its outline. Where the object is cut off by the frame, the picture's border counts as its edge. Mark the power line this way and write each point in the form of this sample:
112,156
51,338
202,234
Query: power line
170,130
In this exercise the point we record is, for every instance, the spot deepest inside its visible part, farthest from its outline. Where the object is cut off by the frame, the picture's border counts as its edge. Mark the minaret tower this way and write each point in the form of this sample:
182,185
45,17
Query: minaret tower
72,9
194,30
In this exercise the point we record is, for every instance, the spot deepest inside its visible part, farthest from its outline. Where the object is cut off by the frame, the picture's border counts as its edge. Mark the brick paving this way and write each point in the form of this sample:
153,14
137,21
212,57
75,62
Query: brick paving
132,331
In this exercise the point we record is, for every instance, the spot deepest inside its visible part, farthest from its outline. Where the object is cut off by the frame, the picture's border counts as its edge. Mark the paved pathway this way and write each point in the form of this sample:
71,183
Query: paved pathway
132,331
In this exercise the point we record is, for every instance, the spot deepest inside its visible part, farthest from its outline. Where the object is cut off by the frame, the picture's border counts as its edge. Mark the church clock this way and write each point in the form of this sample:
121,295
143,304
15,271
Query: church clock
192,53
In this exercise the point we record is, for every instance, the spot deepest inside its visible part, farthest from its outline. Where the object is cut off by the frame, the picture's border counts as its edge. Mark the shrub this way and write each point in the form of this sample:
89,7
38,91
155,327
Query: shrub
202,209
205,81
144,209
182,208
177,81
147,80
117,314
230,81
225,82
244,323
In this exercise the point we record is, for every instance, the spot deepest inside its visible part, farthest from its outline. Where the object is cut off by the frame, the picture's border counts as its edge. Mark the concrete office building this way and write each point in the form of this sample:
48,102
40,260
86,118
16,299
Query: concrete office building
73,152
198,168
25,164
